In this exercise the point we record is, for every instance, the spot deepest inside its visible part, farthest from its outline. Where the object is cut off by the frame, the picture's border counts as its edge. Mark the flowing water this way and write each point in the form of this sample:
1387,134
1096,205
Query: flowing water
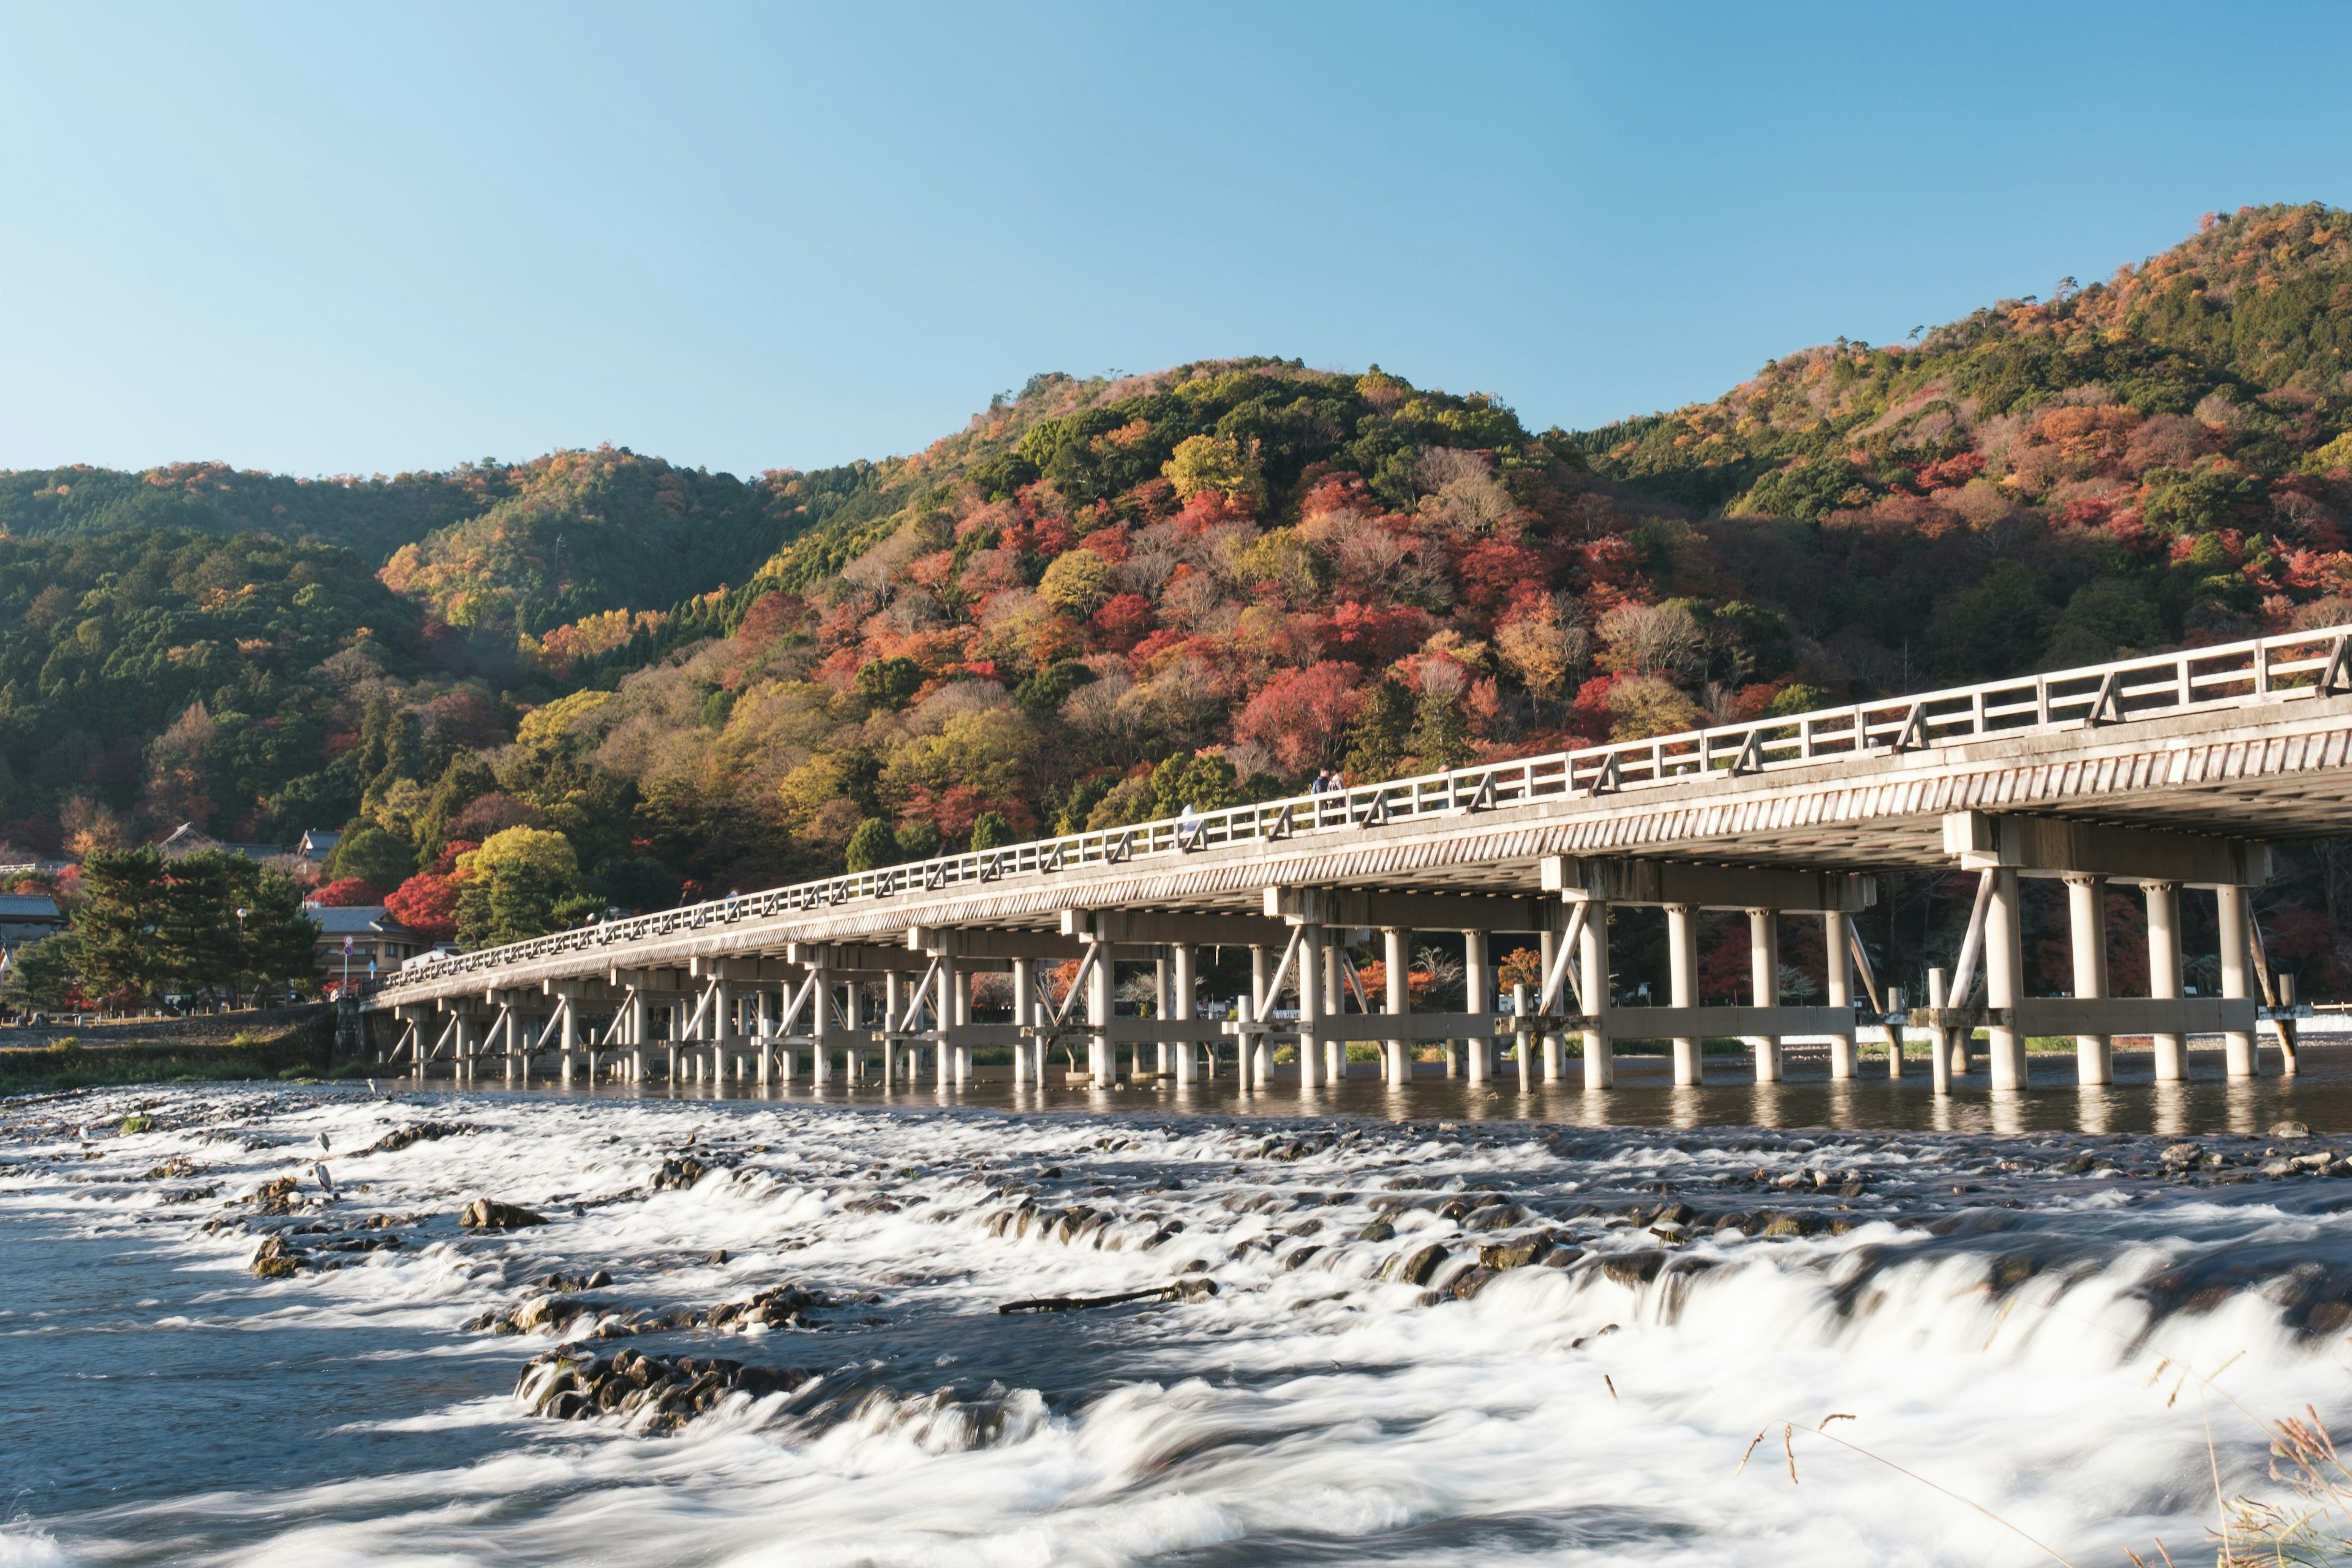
2040,1324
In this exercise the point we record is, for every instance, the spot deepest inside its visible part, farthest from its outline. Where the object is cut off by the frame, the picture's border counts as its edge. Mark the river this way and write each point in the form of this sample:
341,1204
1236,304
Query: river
2031,1335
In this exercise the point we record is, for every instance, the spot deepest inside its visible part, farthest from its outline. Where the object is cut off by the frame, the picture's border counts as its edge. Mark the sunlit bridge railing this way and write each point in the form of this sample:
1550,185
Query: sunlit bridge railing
2157,686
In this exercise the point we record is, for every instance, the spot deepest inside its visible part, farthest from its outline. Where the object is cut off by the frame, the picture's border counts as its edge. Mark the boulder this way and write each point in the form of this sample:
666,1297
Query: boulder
1415,1268
679,1173
276,1261
488,1213
1497,1256
2289,1129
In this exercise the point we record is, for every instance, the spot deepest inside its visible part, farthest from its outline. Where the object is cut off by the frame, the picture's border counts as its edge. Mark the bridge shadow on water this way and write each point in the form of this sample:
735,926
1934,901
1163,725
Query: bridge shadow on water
1645,1096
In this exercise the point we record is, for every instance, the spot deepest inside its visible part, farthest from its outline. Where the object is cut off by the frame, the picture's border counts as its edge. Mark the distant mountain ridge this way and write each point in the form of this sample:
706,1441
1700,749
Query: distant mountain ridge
1104,599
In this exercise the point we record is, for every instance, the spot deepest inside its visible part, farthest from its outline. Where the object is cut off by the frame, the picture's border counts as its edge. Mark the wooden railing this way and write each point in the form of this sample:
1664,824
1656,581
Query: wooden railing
2157,686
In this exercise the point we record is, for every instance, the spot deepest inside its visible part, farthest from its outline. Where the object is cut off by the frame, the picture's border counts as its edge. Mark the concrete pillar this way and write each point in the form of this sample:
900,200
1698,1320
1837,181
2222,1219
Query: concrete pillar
1335,1007
723,1028
1022,1060
2237,976
960,1011
821,1019
1309,964
513,1044
2290,1056
638,1031
1555,1055
1523,1038
1478,995
1102,1006
1592,962
1185,982
2164,972
2004,967
1939,1054
1837,974
1682,985
1161,1013
1764,979
2086,919
943,1010
1397,961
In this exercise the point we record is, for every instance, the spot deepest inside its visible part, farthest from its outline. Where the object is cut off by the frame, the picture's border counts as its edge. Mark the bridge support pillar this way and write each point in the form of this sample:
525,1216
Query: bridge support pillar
959,1009
1396,963
1555,1055
1682,985
1764,977
1310,981
1335,1005
1159,1014
1183,958
1592,966
820,1018
2086,920
2237,974
1102,1006
1837,976
1477,996
1523,1038
2164,972
2004,966
944,1011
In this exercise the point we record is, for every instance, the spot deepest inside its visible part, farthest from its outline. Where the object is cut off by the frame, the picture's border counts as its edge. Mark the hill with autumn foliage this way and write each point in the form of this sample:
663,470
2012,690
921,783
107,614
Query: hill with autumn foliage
1105,599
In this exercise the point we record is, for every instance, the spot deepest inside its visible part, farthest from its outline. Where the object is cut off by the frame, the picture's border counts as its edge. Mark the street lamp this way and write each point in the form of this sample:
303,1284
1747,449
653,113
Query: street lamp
240,949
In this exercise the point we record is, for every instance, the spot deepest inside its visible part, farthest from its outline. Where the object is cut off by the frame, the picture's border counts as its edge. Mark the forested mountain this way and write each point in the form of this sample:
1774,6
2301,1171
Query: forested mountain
1106,598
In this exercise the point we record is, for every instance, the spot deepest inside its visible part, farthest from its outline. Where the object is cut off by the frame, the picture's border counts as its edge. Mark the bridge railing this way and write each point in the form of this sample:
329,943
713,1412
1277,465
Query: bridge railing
2154,686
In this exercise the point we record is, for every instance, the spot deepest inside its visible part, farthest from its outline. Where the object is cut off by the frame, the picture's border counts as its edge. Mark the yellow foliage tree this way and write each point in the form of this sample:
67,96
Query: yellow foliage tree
1077,581
1212,463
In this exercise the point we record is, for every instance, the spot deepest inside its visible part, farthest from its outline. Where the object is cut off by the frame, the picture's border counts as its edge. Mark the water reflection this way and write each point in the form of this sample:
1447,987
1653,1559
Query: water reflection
1646,1096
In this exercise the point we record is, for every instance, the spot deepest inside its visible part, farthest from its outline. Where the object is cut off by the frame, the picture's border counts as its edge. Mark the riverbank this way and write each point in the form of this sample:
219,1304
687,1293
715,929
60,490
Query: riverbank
261,1043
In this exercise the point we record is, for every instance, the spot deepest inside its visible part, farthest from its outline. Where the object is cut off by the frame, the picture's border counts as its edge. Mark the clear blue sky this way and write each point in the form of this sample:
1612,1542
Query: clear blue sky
351,239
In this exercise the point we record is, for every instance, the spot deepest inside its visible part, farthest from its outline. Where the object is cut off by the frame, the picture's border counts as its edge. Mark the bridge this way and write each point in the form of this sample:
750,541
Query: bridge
2174,772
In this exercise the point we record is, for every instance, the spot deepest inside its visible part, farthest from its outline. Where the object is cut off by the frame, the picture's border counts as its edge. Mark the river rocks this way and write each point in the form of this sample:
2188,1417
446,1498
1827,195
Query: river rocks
661,1393
488,1213
1497,1256
1416,1267
276,1261
2288,1129
778,1307
679,1173
275,1196
2180,1156
551,1312
400,1138
567,1283
1379,1230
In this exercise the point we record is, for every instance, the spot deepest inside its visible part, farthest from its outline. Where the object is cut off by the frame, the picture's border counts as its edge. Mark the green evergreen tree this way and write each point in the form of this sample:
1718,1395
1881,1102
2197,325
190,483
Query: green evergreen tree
124,893
872,846
196,938
41,974
1441,734
1382,736
990,830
